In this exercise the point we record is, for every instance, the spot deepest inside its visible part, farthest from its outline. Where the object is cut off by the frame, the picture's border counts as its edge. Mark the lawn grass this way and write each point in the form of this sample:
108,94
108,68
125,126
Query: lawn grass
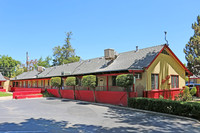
196,101
4,94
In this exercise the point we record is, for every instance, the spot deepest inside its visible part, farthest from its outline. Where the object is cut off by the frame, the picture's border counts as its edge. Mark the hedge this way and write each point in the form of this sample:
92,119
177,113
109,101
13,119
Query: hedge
188,109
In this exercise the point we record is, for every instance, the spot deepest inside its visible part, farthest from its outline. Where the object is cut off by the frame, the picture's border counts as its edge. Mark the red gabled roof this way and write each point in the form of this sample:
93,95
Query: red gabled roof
166,46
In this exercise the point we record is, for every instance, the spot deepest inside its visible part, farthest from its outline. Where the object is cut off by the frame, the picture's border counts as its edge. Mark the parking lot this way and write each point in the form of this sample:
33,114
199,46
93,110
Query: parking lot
62,115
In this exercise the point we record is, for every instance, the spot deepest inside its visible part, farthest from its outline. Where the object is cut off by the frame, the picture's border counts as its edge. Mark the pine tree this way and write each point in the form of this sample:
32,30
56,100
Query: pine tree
65,54
192,49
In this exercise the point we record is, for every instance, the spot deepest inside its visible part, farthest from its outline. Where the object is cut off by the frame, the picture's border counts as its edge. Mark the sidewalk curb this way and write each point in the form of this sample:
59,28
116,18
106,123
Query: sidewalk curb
134,109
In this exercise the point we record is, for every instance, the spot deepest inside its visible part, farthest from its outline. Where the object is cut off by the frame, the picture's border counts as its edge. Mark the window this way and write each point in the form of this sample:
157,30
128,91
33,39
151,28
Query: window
154,81
114,80
138,76
174,81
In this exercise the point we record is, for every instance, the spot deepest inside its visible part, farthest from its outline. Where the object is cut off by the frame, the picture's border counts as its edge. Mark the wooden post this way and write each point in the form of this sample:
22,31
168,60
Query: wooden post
133,82
107,83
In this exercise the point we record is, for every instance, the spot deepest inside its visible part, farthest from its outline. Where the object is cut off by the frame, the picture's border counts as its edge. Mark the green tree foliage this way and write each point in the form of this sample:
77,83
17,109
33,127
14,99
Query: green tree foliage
45,63
89,81
192,49
70,81
18,70
124,80
193,91
56,82
65,54
7,65
186,79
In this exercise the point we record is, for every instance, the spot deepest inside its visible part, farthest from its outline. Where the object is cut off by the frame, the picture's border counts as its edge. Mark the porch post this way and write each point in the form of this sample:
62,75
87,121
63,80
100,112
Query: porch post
37,83
31,83
133,82
107,83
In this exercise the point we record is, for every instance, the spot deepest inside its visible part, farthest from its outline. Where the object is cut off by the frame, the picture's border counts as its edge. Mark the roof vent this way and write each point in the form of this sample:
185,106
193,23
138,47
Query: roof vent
136,49
109,54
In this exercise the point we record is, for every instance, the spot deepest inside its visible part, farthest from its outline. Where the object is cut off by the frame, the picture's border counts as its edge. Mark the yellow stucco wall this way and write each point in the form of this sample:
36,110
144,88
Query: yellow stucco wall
165,65
6,85
46,83
140,85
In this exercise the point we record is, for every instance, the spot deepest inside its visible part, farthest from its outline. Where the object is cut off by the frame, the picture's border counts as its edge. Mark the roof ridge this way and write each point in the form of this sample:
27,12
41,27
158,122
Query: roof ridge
142,48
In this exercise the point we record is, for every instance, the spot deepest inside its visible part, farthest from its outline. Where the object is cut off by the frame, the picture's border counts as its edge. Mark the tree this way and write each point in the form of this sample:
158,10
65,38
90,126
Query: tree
90,81
192,49
45,62
18,70
32,64
57,83
65,54
71,81
7,65
125,81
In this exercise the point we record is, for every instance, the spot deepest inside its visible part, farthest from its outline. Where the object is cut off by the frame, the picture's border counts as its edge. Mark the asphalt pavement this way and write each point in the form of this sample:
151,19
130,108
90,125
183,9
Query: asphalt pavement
55,115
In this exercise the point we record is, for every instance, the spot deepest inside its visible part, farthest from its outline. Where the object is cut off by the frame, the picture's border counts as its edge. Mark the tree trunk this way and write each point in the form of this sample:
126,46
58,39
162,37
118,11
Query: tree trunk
59,88
74,92
93,89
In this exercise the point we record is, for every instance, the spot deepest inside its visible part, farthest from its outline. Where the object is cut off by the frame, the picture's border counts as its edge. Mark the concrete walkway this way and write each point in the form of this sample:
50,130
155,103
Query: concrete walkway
62,115
6,98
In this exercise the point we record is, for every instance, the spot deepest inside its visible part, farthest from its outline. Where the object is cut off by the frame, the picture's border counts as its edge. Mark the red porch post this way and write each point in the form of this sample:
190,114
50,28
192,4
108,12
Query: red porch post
133,82
37,83
107,83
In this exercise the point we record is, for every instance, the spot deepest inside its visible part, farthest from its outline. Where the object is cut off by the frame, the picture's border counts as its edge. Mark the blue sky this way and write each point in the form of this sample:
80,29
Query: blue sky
37,26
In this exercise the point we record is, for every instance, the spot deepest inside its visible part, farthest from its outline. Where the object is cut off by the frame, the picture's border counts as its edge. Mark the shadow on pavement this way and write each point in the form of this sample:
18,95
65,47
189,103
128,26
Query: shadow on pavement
50,126
148,122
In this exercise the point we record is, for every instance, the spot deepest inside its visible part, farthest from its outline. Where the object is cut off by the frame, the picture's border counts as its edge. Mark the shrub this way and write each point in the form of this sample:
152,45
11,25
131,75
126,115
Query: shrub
124,80
186,96
193,91
47,94
89,81
161,97
70,81
56,82
166,106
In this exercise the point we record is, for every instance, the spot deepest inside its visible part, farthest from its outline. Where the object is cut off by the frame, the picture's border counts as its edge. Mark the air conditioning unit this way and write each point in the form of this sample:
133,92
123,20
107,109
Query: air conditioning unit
40,68
109,54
